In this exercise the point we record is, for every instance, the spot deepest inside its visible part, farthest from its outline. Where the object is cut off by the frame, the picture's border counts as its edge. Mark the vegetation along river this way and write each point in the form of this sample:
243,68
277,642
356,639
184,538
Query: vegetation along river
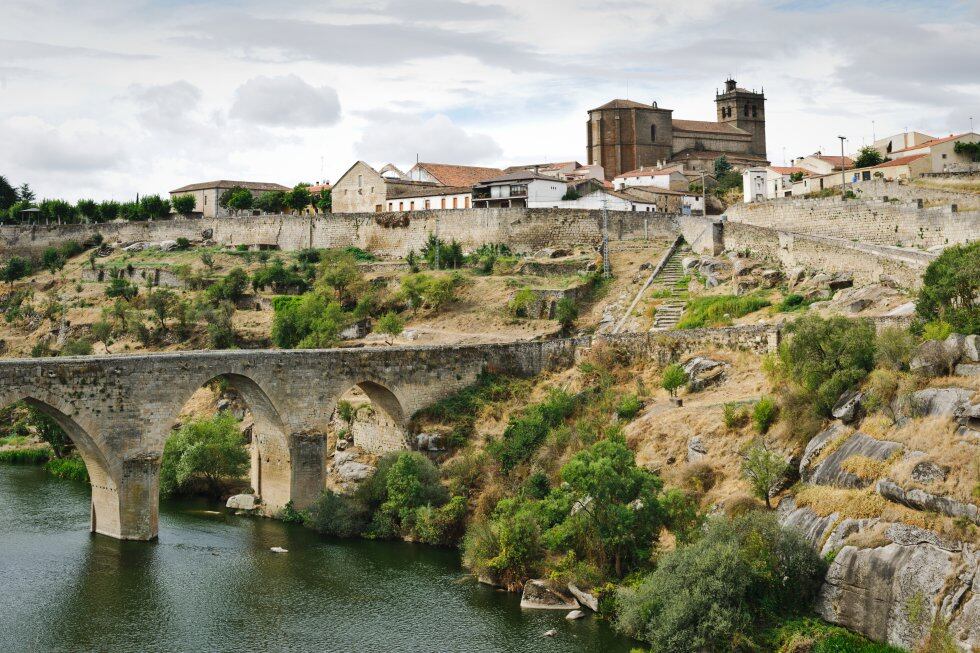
211,583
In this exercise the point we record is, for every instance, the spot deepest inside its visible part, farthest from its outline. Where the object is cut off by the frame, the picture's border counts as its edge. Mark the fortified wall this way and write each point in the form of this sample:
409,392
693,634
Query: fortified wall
385,234
875,221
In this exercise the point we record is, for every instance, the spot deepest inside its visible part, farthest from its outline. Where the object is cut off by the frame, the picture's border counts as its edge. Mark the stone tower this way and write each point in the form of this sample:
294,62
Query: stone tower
746,110
624,135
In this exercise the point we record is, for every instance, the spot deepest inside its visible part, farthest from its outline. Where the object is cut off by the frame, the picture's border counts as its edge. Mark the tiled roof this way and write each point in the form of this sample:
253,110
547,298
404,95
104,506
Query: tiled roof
453,175
935,141
623,104
645,192
395,188
901,161
705,155
575,165
789,170
651,172
518,175
316,188
836,160
224,183
432,191
708,126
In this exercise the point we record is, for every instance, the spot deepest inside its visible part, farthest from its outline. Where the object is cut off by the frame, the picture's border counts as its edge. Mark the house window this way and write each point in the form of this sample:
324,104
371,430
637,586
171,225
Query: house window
466,201
426,205
653,132
411,206
360,180
944,156
754,114
455,202
401,206
205,200
442,203
746,111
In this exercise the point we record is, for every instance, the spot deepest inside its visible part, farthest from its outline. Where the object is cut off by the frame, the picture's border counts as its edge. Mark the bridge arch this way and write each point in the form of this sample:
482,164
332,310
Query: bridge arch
382,431
106,511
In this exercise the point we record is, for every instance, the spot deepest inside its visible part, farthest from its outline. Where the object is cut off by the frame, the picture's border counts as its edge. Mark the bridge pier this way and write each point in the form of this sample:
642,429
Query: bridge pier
308,455
128,509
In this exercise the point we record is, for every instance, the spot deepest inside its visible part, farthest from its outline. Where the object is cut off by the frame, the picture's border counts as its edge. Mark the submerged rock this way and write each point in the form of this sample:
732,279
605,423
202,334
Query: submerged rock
574,614
585,598
242,502
543,595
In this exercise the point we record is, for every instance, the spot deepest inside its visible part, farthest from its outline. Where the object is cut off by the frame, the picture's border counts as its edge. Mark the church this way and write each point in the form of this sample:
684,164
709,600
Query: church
624,135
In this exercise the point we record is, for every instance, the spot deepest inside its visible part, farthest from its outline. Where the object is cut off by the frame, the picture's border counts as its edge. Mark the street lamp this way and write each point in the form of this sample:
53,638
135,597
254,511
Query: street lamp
843,182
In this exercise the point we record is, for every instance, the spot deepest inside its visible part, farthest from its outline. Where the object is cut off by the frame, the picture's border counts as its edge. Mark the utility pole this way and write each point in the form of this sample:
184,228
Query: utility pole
606,267
843,181
704,196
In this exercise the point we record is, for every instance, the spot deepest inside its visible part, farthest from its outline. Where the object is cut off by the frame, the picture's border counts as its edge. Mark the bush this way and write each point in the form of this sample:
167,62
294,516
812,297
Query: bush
70,249
895,348
520,303
404,481
628,407
951,289
390,324
337,515
449,256
184,204
828,357
442,526
936,330
525,432
230,288
764,470
719,310
719,590
764,414
71,468
673,378
34,456
183,243
15,268
210,449
279,278
566,312
307,322
735,415
119,287
792,302
76,347
815,636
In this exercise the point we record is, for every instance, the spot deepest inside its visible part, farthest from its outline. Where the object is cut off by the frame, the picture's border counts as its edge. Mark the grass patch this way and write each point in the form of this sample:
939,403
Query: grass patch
719,310
461,410
72,468
855,504
33,456
816,636
14,441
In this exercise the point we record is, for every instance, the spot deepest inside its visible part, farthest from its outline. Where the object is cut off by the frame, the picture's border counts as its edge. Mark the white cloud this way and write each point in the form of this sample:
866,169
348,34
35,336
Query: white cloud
166,106
399,137
74,146
286,101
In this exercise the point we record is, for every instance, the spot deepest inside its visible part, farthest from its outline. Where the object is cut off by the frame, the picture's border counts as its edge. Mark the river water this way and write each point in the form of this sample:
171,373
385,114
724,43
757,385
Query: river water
211,584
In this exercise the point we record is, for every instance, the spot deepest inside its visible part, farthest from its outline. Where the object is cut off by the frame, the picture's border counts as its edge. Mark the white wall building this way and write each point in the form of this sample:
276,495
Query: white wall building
768,182
519,189
437,198
672,178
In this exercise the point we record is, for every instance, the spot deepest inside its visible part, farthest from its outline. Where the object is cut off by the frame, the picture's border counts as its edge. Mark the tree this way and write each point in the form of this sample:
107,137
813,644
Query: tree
210,449
325,201
271,201
339,272
390,325
25,193
184,204
566,312
969,150
14,211
764,470
16,268
241,200
49,431
208,260
796,176
88,209
868,156
225,198
58,211
161,302
722,166
8,195
152,207
620,511
108,211
52,260
951,289
299,198
673,378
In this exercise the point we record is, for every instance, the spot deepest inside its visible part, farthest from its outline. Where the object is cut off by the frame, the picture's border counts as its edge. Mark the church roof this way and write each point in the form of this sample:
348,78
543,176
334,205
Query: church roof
707,126
709,155
455,175
651,172
624,104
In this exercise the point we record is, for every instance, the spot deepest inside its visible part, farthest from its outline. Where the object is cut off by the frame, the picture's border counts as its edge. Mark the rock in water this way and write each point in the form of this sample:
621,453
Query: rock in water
551,633
585,598
279,549
574,614
542,595
242,502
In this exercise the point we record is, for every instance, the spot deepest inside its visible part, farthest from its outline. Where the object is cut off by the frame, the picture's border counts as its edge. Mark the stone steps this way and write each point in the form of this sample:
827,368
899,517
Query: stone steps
670,312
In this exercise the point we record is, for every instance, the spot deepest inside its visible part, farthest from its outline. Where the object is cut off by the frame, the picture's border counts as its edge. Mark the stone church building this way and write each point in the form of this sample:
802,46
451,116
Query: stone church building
624,135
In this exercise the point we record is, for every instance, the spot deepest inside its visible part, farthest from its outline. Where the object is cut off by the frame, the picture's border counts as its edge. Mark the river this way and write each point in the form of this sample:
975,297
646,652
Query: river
211,583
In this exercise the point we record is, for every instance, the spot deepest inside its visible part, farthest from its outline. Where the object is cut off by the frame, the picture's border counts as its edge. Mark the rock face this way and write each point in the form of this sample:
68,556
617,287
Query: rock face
940,402
848,407
542,595
931,359
703,372
349,469
816,446
830,471
696,449
927,472
826,534
242,502
921,500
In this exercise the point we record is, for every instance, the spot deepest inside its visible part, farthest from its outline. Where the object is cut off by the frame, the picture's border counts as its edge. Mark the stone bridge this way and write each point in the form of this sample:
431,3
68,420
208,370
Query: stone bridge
119,410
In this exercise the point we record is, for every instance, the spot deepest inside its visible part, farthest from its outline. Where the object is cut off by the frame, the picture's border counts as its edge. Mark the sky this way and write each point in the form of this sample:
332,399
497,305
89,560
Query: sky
109,98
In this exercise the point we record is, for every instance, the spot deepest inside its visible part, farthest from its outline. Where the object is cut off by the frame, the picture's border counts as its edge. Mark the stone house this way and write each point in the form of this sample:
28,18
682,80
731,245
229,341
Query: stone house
821,164
445,174
432,198
206,194
671,177
362,189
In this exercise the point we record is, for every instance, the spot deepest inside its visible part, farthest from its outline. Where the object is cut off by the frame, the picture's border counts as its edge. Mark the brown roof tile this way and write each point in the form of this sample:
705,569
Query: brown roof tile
623,104
224,183
708,126
454,175
934,141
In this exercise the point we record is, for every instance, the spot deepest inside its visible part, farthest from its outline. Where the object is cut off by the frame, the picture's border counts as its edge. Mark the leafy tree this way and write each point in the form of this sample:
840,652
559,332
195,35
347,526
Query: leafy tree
711,594
339,272
48,430
224,200
210,449
566,312
161,302
299,198
108,211
51,259
184,204
310,321
25,193
673,378
404,481
16,268
241,200
221,333
325,201
14,211
441,256
152,207
208,260
120,287
868,156
390,325
231,288
828,357
971,150
88,209
764,470
951,289
277,276
271,201
620,511
130,211
8,195
58,211
520,303
796,176
722,166
337,515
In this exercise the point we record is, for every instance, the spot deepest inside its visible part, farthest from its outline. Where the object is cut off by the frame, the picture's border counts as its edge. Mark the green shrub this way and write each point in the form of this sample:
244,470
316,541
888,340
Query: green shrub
526,431
719,310
566,312
183,243
210,449
673,378
34,456
15,268
404,481
76,347
628,407
764,414
230,288
936,330
71,468
359,254
719,590
279,278
449,256
895,348
792,302
520,303
951,289
337,515
815,636
735,415
441,526
307,322
120,287
765,470
51,259
70,249
390,324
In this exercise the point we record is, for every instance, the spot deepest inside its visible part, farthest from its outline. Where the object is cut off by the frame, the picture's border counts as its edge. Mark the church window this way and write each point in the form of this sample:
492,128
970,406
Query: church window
746,111
754,114
653,132
889,148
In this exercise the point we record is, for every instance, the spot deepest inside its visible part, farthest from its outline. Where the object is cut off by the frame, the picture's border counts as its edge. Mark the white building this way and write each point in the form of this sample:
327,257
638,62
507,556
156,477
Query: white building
672,178
207,194
610,200
769,182
941,152
432,198
447,174
519,189
821,164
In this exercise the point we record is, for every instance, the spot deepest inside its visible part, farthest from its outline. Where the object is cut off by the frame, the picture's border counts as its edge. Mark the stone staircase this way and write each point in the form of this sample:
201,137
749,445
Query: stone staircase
669,313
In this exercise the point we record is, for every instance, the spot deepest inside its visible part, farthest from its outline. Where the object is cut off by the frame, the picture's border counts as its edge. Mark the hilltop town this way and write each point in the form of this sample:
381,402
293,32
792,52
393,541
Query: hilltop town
596,375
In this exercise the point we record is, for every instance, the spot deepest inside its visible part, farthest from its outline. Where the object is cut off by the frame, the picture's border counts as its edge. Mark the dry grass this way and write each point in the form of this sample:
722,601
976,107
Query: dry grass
936,436
855,504
832,446
869,538
877,426
865,467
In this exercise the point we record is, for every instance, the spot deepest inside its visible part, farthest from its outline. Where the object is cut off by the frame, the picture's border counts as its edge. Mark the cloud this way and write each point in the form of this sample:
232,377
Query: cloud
20,50
74,146
286,101
166,106
400,137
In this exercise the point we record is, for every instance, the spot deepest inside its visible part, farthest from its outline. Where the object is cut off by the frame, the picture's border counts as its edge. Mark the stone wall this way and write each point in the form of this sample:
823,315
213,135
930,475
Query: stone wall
868,221
668,346
385,234
906,192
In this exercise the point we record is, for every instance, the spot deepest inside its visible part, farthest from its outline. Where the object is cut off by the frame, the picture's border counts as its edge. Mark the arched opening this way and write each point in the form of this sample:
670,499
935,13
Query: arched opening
220,403
369,417
746,111
40,423
653,133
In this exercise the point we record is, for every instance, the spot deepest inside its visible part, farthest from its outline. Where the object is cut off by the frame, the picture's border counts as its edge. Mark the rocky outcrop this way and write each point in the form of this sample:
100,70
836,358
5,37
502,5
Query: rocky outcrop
937,357
242,502
918,499
848,408
816,446
825,534
831,471
703,372
544,595
585,598
940,402
895,593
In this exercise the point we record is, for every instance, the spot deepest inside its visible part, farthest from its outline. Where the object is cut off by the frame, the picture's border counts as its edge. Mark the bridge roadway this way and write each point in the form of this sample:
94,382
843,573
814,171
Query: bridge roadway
119,410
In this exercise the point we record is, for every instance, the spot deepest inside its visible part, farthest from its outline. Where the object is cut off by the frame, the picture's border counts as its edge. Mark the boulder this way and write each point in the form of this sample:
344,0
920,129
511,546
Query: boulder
955,347
940,402
743,267
745,285
207,234
927,472
841,281
967,369
167,245
830,471
696,449
771,278
242,502
931,359
889,281
921,500
135,247
429,442
795,275
857,305
574,614
817,444
905,310
971,349
544,595
848,406
585,598
703,372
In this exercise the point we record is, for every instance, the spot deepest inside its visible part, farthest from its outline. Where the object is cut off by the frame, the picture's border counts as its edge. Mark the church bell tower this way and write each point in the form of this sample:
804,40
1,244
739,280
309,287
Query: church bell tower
746,110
